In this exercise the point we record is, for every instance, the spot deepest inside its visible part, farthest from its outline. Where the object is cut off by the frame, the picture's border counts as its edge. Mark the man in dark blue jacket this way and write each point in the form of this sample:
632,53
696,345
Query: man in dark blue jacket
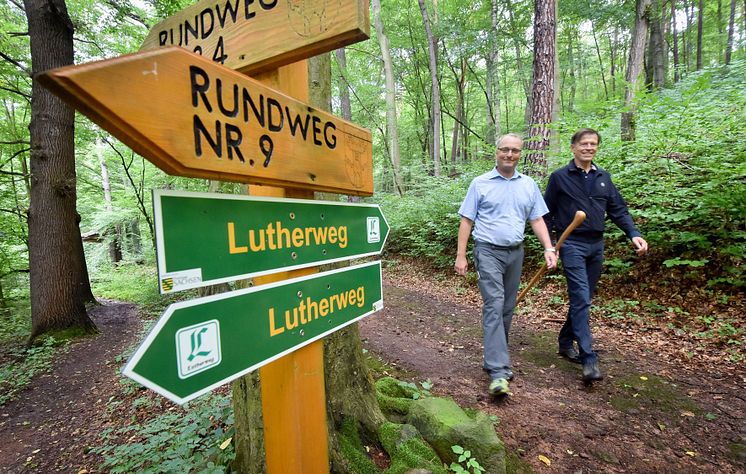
581,185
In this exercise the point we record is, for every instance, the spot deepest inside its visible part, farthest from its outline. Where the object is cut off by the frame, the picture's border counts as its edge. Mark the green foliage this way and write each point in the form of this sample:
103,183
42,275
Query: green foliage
425,221
19,365
197,439
465,457
130,282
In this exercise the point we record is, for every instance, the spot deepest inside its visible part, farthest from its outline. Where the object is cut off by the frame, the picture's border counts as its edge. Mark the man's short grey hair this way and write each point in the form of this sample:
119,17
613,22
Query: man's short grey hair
509,135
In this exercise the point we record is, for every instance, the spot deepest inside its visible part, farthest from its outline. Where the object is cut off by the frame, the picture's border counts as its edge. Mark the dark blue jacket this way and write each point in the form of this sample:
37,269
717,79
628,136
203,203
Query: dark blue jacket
566,193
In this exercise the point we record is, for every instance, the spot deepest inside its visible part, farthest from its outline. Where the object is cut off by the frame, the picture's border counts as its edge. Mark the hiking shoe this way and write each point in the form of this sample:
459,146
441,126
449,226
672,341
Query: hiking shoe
499,387
591,372
570,354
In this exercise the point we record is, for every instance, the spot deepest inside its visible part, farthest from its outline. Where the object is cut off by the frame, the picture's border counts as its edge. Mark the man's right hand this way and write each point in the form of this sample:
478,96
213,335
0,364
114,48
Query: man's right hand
461,265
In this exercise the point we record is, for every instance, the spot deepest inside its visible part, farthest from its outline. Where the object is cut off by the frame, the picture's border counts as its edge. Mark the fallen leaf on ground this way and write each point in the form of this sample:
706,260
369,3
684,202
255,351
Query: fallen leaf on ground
691,453
545,459
642,377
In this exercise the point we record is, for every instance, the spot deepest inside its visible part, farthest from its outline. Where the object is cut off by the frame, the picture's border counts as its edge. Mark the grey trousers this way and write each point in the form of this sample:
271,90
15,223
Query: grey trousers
499,275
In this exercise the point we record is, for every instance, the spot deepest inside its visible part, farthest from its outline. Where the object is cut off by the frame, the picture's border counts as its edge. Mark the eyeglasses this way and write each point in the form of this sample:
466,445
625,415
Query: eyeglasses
506,149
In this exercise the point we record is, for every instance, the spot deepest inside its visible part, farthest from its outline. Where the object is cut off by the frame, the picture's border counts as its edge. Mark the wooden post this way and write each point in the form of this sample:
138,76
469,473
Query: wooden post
293,397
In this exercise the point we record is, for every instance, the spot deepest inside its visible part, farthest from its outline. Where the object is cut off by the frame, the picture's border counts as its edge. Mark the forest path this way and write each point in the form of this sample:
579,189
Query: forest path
652,413
54,423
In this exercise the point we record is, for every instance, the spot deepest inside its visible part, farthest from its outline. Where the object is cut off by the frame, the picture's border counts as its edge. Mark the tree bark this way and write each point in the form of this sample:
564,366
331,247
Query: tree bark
58,272
700,24
435,117
634,68
249,436
731,27
115,245
460,81
492,83
656,64
543,100
391,126
571,80
344,86
675,37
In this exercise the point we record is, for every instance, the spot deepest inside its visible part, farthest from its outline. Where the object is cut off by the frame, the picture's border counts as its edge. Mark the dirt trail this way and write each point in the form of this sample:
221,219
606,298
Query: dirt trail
59,417
650,414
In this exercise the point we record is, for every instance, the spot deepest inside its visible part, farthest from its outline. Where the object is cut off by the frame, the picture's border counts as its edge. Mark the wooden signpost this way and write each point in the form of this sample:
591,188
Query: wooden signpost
192,117
252,36
197,118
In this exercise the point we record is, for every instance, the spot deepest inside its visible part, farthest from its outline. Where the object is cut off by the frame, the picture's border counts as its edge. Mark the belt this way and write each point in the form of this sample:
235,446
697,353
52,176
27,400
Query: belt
499,247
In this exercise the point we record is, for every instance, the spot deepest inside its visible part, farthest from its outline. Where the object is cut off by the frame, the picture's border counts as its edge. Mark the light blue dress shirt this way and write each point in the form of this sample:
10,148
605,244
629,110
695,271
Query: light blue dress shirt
500,207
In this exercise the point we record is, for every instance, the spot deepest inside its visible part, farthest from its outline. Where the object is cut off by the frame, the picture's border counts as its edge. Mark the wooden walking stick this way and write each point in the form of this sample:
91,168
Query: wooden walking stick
576,221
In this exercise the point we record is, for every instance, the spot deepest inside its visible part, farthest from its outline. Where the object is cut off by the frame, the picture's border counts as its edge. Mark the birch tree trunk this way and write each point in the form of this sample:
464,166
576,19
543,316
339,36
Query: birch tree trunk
59,276
435,118
634,68
543,99
392,131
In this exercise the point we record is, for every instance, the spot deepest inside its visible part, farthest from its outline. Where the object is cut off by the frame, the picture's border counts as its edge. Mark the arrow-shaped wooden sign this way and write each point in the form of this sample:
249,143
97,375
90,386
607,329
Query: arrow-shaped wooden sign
192,117
256,35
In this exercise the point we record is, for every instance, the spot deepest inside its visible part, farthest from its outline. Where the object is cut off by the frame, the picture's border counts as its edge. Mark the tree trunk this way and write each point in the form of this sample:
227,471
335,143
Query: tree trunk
457,125
492,81
344,86
731,26
600,61
571,80
656,50
634,68
700,23
134,238
115,245
391,126
58,273
675,37
543,88
249,436
689,13
435,117
350,393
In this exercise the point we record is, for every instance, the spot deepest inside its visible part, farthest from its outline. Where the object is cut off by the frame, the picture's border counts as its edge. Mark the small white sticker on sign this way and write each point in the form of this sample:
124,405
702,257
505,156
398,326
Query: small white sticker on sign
198,348
182,280
374,230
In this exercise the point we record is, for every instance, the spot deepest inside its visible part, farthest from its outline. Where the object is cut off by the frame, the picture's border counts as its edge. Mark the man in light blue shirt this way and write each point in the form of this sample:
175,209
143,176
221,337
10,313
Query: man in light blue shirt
495,212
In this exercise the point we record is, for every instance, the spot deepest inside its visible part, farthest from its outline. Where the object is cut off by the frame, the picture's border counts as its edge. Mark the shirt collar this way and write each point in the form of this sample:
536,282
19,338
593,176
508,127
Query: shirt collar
573,167
496,174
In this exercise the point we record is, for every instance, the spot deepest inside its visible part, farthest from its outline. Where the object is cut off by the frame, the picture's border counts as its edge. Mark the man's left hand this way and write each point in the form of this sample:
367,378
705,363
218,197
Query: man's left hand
641,247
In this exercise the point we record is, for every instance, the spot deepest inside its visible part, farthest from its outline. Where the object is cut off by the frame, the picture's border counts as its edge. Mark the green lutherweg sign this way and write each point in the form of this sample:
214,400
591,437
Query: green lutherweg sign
201,344
206,238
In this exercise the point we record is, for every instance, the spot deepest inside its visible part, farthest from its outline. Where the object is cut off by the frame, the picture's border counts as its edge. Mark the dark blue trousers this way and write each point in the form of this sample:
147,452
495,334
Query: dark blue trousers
582,263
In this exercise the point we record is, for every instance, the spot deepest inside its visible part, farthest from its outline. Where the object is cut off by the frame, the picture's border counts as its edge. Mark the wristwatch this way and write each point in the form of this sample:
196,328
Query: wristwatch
550,249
